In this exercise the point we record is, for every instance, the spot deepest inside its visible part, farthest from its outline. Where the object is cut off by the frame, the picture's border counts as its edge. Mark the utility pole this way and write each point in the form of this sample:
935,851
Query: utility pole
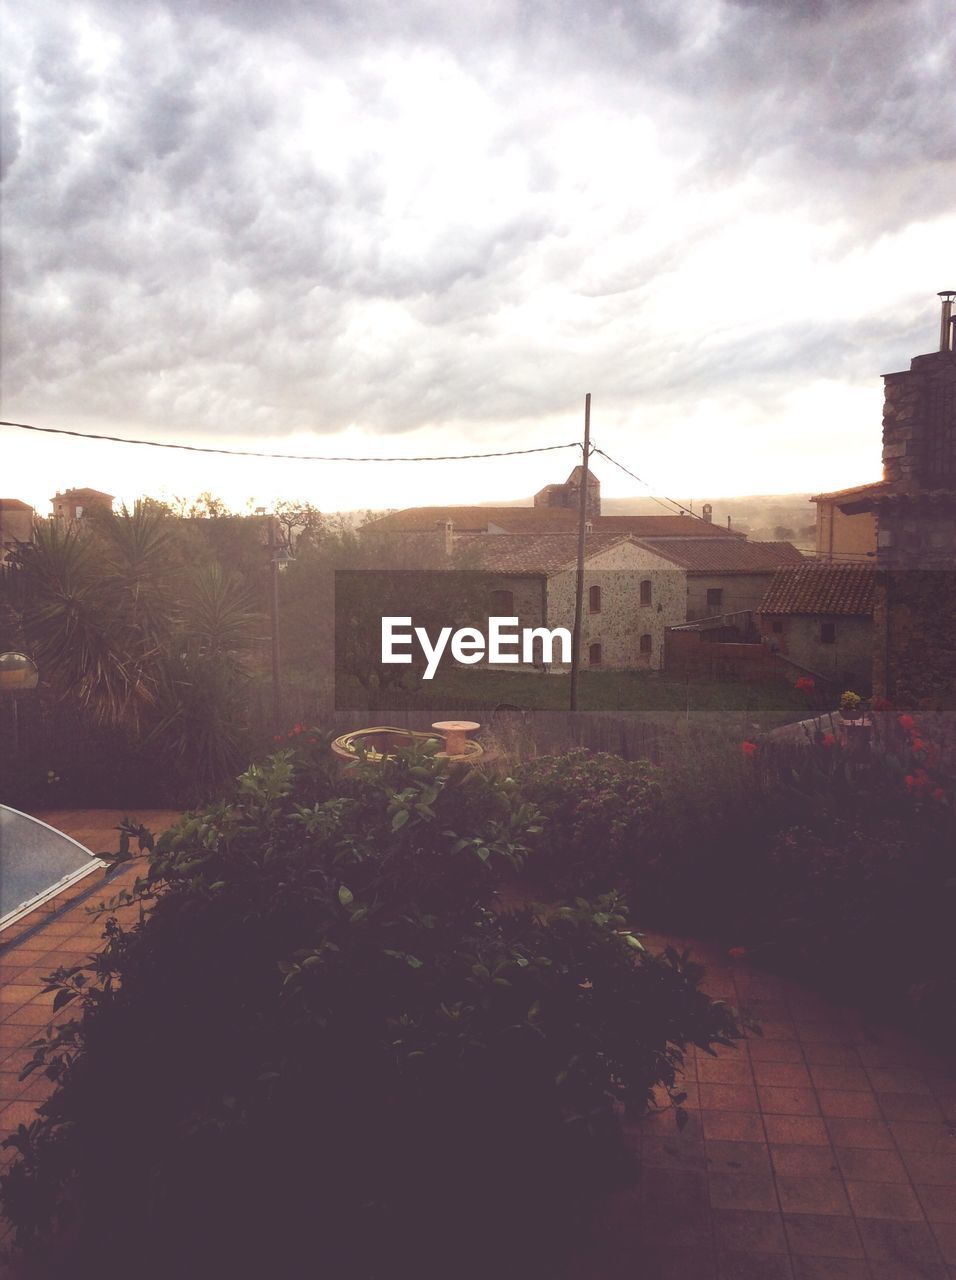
579,584
274,620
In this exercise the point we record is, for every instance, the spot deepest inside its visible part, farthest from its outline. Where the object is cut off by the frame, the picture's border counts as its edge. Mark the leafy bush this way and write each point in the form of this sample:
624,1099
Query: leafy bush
598,807
322,1044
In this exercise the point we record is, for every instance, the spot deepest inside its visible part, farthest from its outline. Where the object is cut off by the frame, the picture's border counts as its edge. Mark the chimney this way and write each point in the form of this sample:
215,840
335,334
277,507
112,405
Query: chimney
446,533
708,513
946,319
728,522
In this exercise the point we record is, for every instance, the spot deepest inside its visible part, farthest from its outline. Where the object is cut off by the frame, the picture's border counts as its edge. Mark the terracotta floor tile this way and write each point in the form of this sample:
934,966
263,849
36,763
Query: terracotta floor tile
826,1077
796,1130
849,1105
859,1133
727,1097
902,1242
742,1191
831,1055
896,1200
774,1029
930,1168
775,1051
743,1231
34,1014
945,1234
663,1153
17,993
724,1070
732,1126
805,1268
753,1266
910,1106
868,1165
783,1100
822,1235
897,1080
939,1203
791,1075
826,1033
912,1136
738,1157
17,1113
805,1162
823,1195
886,1269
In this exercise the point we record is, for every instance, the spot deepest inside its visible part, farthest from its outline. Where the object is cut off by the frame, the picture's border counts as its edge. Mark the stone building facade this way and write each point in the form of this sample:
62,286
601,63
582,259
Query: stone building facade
915,511
16,525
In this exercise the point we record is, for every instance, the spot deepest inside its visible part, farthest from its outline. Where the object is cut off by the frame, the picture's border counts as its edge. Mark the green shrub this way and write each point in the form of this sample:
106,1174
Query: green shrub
599,809
323,1051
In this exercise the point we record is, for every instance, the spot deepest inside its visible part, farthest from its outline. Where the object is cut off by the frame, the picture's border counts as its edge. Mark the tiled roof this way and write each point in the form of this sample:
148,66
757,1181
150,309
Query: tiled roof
529,553
724,555
821,589
542,520
858,491
14,504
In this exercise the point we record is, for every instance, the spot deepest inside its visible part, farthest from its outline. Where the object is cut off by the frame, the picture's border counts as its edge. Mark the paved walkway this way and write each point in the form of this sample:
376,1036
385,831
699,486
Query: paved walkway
823,1150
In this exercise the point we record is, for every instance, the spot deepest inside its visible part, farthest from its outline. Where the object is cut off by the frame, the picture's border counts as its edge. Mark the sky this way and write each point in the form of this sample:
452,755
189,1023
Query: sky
402,229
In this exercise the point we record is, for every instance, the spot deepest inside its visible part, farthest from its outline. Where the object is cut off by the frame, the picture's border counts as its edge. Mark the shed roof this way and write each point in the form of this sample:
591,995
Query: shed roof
845,589
724,555
476,519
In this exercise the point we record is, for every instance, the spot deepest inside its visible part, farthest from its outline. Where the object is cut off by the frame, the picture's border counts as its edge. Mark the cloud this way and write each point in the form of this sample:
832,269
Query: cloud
225,217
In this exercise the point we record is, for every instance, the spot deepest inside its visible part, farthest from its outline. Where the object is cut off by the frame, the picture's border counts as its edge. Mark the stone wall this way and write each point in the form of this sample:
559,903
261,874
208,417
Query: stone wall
919,427
915,649
740,592
848,660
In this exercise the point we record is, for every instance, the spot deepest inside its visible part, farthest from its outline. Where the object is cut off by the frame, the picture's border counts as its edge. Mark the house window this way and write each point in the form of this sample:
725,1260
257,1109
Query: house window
594,600
715,598
646,591
594,655
79,513
778,628
646,644
828,633
502,604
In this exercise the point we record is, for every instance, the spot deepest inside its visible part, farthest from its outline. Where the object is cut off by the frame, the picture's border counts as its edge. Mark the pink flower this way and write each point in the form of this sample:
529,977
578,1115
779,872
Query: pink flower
806,683
829,740
907,723
918,744
749,748
738,953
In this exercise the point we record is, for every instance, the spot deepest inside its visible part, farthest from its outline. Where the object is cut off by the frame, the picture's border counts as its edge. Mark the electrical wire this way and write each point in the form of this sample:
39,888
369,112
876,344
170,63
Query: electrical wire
661,501
287,457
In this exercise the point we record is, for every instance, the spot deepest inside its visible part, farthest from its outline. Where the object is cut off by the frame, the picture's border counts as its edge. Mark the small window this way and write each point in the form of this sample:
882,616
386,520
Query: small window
502,604
828,633
594,600
79,513
646,591
715,598
647,644
594,655
778,628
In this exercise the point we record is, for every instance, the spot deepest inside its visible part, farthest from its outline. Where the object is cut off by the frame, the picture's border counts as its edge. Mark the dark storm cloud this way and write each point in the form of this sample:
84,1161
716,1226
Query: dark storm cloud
185,250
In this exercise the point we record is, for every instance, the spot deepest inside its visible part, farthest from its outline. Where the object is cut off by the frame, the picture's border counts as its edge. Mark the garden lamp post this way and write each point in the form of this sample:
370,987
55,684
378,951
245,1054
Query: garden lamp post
17,672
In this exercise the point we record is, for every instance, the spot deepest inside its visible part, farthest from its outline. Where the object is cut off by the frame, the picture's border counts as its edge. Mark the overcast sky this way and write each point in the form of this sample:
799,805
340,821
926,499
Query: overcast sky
432,227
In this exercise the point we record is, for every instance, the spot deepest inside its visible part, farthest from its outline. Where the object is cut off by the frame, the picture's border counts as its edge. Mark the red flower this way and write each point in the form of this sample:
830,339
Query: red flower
749,748
939,794
298,728
907,723
829,740
738,953
806,682
277,737
918,744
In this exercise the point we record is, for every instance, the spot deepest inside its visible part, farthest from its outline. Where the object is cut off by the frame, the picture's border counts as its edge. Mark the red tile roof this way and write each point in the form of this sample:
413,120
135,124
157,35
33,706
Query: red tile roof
846,589
528,553
724,555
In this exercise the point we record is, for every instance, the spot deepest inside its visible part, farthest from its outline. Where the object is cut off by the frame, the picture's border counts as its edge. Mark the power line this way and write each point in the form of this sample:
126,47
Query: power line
287,457
662,501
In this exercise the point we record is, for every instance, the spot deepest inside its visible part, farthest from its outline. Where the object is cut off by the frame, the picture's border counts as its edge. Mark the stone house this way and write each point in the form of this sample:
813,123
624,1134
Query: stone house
821,616
16,525
634,588
914,509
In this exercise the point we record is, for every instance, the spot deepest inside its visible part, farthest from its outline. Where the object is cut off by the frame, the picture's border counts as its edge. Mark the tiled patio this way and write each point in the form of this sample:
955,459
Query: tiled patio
823,1150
